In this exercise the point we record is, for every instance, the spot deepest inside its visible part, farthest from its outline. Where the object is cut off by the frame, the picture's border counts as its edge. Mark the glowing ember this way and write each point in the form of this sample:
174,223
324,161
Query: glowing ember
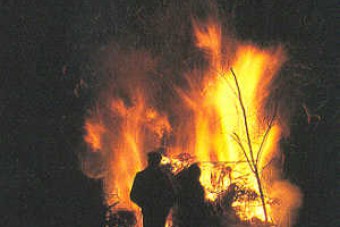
236,148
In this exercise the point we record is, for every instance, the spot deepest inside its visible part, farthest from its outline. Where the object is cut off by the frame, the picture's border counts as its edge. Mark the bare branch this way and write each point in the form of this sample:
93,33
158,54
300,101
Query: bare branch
259,153
268,164
252,161
238,141
244,116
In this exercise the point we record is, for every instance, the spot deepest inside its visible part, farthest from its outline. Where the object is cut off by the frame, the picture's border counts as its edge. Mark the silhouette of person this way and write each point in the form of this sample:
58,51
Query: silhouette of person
192,210
153,192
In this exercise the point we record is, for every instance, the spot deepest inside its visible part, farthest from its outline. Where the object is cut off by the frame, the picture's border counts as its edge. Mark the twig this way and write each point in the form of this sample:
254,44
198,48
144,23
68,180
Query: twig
244,116
253,162
238,141
259,153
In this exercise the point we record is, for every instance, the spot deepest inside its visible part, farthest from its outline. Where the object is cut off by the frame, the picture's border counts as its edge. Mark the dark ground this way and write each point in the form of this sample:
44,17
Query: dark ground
44,47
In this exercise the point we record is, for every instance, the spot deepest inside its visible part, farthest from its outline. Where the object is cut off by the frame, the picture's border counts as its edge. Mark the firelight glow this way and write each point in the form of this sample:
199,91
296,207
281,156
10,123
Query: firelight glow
208,135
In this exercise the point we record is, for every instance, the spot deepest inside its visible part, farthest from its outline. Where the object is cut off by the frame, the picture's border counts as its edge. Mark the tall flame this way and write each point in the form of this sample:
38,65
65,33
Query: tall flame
211,126
218,117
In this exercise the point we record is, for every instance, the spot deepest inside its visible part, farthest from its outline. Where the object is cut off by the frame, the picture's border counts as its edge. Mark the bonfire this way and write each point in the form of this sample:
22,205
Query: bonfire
217,117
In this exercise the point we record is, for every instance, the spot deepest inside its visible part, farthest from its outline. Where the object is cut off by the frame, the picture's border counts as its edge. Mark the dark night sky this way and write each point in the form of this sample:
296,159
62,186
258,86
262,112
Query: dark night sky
44,48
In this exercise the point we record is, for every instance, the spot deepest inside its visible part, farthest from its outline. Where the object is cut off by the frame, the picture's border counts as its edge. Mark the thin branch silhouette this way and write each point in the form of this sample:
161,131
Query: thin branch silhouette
253,162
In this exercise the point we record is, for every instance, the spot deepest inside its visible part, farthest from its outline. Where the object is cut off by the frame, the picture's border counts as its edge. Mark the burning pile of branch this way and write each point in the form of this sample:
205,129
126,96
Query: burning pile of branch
217,118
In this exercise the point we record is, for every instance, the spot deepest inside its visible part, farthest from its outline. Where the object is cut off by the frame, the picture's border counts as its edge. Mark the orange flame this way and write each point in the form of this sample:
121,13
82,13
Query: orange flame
94,133
214,133
217,116
132,130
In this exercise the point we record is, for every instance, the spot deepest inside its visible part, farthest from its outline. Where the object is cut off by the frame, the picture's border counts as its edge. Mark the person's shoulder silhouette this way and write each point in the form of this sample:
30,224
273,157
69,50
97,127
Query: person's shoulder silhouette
191,203
153,192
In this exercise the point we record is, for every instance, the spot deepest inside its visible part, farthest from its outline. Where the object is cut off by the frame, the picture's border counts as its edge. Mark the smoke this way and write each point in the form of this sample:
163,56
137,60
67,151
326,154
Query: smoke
287,199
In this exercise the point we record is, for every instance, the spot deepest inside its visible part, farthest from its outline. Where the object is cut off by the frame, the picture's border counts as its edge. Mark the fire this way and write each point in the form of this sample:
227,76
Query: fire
94,134
221,124
123,141
217,114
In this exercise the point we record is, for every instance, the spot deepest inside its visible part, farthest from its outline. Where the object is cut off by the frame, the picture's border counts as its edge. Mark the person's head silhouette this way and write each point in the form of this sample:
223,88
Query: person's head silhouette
154,158
194,171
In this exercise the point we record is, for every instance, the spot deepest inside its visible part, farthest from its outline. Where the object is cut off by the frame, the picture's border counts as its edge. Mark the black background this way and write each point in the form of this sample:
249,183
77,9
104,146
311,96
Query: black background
45,44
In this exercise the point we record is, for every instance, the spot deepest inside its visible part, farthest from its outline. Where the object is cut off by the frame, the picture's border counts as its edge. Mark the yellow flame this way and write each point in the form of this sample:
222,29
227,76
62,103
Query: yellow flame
213,132
218,117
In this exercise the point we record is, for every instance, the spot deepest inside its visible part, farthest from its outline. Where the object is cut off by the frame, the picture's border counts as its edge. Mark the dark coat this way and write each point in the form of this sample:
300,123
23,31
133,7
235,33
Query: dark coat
153,192
192,209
